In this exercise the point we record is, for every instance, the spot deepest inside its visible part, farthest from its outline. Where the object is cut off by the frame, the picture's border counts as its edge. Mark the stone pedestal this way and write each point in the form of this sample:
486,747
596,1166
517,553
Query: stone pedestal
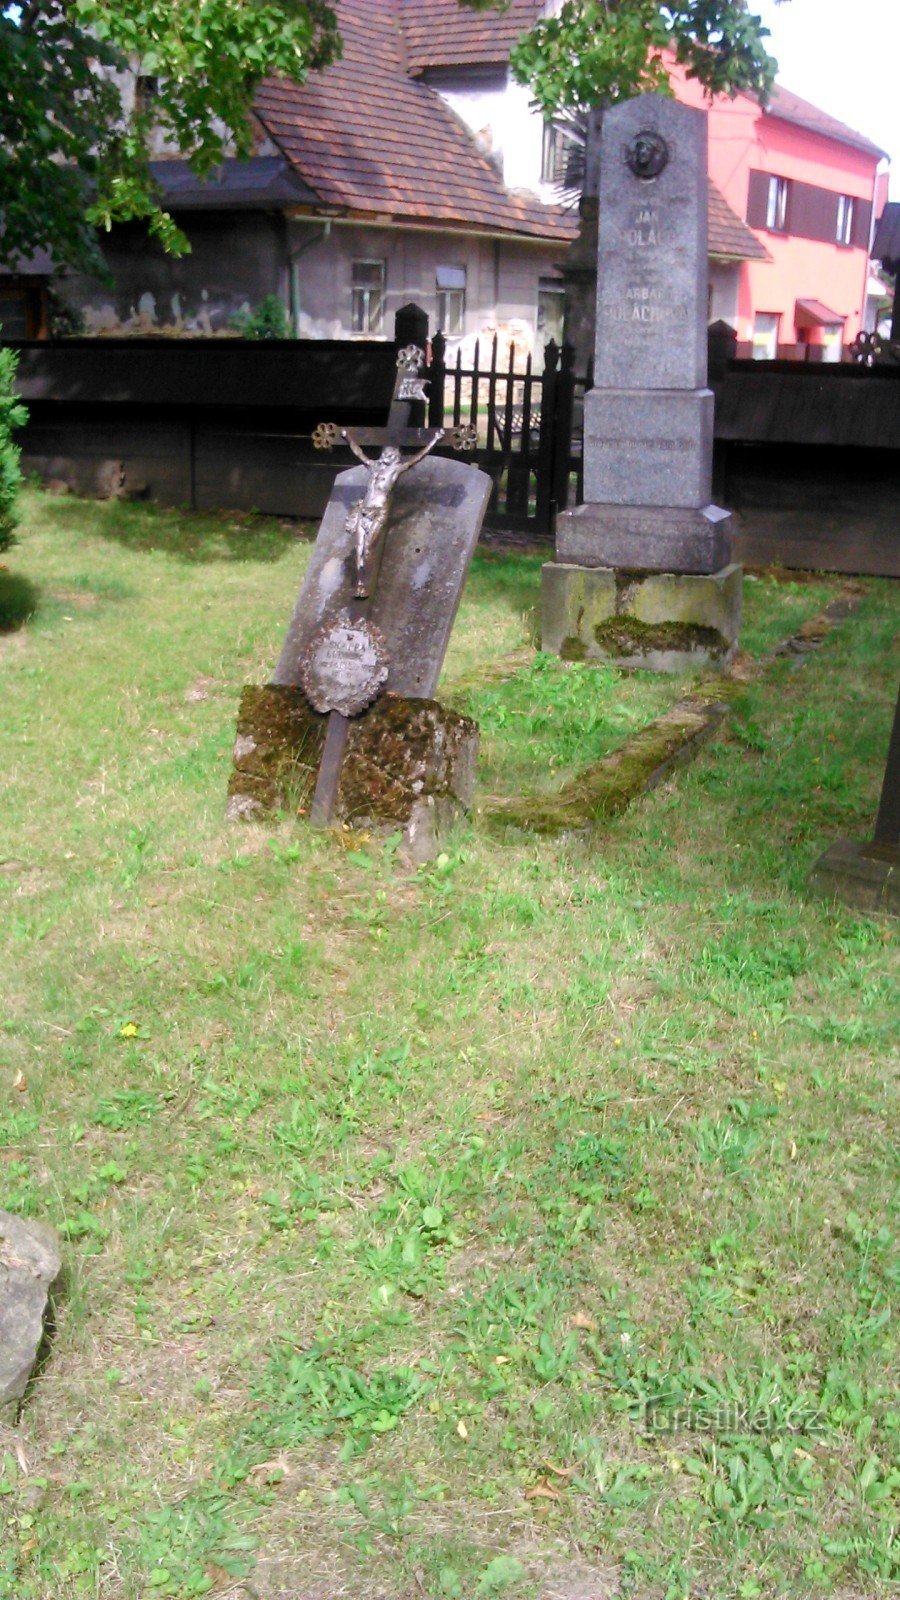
663,622
649,538
864,876
409,766
642,574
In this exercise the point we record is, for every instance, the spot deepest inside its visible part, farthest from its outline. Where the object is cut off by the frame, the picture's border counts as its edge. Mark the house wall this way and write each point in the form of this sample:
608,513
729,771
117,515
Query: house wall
502,278
235,260
501,114
743,138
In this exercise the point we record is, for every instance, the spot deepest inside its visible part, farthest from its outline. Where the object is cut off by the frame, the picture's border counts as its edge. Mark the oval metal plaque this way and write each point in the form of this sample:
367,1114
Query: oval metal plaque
344,666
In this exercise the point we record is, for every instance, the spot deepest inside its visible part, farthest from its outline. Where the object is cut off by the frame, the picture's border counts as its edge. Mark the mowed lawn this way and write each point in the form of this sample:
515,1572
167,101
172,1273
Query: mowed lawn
520,1226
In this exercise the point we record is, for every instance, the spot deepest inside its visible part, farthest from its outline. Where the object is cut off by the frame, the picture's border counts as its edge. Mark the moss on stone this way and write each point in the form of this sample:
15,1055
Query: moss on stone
625,635
608,786
572,649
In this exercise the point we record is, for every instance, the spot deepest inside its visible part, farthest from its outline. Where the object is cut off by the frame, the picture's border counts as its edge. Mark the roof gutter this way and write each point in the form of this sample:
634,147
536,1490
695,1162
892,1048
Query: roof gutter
376,220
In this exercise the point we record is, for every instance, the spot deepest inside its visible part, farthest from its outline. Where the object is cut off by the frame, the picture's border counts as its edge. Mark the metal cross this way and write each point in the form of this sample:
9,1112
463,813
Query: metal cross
351,647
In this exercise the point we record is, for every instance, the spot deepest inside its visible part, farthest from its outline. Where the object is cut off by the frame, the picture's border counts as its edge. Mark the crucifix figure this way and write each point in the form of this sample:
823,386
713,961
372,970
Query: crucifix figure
345,665
367,520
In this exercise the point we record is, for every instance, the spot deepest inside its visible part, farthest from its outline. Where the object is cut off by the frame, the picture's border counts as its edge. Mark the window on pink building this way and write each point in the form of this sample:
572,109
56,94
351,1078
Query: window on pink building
845,219
777,205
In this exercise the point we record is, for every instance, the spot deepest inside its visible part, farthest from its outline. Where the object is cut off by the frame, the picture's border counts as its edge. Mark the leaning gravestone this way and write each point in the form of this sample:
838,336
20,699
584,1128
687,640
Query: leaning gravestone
348,729
642,572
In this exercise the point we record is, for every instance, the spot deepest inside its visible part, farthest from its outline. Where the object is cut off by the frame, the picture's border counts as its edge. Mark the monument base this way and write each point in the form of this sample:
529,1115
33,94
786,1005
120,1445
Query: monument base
865,876
663,622
409,765
648,538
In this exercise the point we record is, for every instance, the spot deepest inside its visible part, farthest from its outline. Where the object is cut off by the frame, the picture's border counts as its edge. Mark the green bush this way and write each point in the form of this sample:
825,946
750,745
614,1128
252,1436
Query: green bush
268,321
12,415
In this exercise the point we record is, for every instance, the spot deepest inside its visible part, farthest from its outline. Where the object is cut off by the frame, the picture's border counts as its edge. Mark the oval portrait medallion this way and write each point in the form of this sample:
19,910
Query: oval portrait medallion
648,154
345,666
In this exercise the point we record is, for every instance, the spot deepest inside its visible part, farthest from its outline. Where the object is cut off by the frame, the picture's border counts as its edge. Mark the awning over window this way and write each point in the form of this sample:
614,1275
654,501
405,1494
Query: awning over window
812,314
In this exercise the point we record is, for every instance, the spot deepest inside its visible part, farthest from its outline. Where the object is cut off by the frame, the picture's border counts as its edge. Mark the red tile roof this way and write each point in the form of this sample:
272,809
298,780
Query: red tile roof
367,138
789,107
440,33
729,237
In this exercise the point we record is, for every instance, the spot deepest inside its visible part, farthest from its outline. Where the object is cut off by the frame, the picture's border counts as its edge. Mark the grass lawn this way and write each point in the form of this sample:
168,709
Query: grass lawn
518,1227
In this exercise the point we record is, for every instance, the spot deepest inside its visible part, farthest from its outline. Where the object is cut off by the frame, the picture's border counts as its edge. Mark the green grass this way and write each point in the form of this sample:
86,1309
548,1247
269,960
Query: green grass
519,1227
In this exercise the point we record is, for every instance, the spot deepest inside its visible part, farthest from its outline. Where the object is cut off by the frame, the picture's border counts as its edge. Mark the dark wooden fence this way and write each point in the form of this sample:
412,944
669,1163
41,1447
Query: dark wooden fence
228,424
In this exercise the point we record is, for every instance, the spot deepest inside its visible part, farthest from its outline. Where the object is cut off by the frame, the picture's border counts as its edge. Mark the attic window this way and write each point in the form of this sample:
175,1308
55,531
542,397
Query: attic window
451,299
146,90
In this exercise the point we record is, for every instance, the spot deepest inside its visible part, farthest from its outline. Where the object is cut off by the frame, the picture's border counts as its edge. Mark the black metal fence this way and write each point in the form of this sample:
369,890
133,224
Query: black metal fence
525,422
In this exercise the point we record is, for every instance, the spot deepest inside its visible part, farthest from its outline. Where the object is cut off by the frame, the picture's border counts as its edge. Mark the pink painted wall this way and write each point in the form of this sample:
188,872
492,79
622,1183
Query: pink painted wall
743,138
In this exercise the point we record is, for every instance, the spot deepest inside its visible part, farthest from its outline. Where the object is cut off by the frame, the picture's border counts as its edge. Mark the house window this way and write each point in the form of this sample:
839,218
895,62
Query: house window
367,296
777,205
554,154
765,335
451,300
845,219
551,310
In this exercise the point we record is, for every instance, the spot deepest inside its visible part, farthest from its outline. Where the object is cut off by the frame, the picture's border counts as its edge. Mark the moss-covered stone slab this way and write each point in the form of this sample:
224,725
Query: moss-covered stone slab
659,621
409,764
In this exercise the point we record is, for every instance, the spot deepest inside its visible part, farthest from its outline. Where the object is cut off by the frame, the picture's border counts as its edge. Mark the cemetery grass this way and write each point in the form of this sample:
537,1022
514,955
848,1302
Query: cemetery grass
518,1226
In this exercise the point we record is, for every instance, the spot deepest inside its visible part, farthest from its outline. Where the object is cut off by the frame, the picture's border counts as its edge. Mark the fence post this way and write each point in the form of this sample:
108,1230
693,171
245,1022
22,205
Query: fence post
562,428
437,374
545,475
411,326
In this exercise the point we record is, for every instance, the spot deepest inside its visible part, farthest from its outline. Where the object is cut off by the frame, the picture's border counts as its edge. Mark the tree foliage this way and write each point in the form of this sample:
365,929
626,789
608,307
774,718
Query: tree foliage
12,415
75,136
596,52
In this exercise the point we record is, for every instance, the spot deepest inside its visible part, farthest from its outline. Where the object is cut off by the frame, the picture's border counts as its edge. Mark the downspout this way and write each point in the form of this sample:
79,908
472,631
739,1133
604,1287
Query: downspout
294,272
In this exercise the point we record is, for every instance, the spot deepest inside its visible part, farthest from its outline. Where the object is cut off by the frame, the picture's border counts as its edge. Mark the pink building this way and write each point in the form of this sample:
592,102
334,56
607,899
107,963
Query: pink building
808,187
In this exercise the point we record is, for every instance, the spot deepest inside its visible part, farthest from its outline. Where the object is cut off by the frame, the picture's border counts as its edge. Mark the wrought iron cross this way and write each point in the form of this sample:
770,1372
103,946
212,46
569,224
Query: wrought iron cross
345,665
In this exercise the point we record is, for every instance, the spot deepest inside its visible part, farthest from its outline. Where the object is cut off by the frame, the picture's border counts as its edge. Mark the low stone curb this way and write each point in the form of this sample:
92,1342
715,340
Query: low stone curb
608,786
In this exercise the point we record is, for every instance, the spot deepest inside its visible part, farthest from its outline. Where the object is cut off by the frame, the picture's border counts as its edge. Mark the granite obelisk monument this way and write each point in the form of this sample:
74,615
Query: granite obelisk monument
642,572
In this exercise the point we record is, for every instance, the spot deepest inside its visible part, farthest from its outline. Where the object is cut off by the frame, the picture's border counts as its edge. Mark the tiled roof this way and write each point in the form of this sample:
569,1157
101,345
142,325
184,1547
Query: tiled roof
369,139
441,33
790,108
729,237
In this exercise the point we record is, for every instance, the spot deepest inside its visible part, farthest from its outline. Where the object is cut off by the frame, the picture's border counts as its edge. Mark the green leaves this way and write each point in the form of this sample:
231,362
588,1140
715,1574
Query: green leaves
596,52
75,135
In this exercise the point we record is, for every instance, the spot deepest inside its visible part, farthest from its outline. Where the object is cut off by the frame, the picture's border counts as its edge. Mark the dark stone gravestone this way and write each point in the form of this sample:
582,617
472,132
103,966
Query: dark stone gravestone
642,572
866,874
348,730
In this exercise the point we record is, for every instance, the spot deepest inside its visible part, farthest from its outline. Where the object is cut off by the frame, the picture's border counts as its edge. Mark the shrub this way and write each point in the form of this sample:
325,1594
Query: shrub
268,321
12,415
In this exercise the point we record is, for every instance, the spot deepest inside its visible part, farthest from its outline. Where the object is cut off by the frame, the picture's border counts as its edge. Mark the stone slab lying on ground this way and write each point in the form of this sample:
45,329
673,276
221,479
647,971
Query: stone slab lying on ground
29,1266
409,765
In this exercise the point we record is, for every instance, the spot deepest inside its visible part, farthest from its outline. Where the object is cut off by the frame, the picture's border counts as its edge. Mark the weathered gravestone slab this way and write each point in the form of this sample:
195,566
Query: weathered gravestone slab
648,421
436,516
367,642
29,1266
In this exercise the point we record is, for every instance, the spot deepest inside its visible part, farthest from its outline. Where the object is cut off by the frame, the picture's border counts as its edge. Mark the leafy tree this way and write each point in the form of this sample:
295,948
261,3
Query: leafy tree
12,415
74,133
596,52
69,110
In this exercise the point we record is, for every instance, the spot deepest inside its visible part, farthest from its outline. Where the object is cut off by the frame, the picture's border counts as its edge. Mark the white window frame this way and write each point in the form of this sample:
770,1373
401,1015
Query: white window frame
846,217
765,340
776,205
367,299
555,289
450,300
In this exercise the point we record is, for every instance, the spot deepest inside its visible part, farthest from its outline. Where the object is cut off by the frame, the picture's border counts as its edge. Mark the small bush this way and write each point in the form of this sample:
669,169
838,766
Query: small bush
268,321
12,415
